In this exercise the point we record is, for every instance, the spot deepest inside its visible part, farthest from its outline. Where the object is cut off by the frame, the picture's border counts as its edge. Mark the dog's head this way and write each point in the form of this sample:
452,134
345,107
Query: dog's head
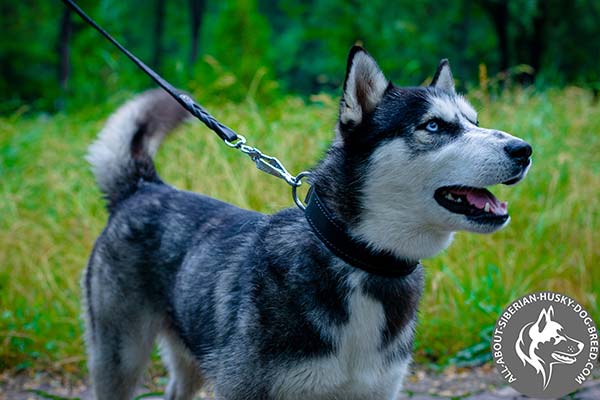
546,340
425,161
544,343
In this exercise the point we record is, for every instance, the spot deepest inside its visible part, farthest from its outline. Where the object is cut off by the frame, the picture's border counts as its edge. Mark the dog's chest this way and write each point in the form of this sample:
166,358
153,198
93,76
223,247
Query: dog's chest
362,365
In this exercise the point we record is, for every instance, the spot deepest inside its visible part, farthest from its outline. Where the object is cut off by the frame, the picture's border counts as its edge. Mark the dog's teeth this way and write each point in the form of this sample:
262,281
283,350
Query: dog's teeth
458,200
449,196
487,207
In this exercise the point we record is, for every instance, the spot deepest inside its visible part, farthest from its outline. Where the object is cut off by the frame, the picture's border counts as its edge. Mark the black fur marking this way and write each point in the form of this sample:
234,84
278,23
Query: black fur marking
137,142
89,270
400,300
140,170
445,127
399,115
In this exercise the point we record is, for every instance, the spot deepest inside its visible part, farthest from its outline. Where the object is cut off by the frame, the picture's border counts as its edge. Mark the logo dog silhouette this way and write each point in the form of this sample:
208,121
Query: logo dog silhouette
544,343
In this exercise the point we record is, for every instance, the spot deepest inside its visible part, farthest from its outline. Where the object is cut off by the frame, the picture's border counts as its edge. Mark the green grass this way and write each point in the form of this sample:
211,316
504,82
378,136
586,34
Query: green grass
51,212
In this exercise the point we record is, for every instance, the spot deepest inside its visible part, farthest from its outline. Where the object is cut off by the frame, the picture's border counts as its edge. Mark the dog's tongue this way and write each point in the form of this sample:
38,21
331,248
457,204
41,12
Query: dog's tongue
479,197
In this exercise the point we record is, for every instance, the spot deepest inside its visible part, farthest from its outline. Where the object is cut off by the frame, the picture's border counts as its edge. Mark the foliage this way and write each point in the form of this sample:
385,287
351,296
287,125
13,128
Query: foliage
249,44
243,45
52,212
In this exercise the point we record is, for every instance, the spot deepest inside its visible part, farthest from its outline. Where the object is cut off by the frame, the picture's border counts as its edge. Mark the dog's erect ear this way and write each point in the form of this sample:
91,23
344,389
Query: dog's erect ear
544,318
364,87
443,77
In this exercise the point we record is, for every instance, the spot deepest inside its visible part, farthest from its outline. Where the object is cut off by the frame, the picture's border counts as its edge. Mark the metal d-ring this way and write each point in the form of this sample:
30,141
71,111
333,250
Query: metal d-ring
237,142
297,183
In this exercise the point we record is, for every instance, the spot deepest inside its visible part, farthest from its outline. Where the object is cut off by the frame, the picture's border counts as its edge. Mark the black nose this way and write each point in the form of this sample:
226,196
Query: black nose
519,151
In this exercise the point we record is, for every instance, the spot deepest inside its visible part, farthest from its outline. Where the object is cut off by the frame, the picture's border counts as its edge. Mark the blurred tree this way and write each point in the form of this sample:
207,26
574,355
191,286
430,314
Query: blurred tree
497,11
64,38
196,8
159,17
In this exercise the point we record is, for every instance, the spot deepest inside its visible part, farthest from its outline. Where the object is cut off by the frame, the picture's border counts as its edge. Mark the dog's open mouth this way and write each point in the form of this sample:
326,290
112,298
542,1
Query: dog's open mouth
563,358
476,203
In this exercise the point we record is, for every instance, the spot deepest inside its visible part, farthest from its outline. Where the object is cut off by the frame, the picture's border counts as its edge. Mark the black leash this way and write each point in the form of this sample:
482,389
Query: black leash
331,233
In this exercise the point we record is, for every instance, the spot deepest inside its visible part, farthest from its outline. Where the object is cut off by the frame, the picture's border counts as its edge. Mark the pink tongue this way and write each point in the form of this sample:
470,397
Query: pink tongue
478,198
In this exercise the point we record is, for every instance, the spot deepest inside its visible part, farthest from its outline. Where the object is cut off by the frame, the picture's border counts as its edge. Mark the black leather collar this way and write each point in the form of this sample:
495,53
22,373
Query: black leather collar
356,253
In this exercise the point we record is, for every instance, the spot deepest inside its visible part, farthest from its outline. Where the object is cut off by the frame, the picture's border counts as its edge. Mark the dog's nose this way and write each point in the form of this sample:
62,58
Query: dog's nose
519,150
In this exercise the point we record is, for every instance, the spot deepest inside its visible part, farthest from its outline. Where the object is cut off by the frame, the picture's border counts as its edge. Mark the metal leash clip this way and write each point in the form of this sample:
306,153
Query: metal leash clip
270,165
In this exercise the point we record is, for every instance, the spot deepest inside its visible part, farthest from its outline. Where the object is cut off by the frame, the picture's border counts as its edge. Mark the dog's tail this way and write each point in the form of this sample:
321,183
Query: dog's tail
122,154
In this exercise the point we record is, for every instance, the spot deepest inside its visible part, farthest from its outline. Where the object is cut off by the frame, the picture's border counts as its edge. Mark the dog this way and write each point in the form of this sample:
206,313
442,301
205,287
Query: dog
543,344
259,306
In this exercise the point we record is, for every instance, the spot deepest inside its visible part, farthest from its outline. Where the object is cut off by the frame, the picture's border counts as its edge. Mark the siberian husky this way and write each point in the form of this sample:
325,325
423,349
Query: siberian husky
260,306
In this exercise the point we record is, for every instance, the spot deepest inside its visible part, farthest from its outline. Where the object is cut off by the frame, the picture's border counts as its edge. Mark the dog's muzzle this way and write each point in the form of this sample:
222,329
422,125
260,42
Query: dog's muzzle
479,204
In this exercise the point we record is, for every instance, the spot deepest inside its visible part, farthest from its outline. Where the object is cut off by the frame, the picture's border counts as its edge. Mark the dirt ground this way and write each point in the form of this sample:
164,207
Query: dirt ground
481,383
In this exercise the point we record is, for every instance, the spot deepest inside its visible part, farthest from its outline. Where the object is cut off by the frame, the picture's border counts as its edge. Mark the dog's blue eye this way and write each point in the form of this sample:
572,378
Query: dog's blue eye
432,126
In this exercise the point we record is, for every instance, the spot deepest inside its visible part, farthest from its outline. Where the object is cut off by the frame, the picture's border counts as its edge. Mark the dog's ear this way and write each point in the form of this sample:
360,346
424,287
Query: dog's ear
364,87
443,77
544,318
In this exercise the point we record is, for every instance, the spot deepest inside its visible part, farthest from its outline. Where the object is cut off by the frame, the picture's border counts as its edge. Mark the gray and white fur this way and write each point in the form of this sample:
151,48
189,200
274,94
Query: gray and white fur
255,304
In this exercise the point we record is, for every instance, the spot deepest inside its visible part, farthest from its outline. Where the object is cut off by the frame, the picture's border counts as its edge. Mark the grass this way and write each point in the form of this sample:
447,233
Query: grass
51,212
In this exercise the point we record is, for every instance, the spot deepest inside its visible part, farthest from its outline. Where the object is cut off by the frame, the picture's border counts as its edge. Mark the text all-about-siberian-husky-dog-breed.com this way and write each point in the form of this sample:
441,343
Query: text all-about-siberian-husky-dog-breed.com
269,306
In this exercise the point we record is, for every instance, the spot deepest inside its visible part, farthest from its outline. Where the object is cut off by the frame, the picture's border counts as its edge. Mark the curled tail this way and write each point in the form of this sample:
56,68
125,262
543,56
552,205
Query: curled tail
122,154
